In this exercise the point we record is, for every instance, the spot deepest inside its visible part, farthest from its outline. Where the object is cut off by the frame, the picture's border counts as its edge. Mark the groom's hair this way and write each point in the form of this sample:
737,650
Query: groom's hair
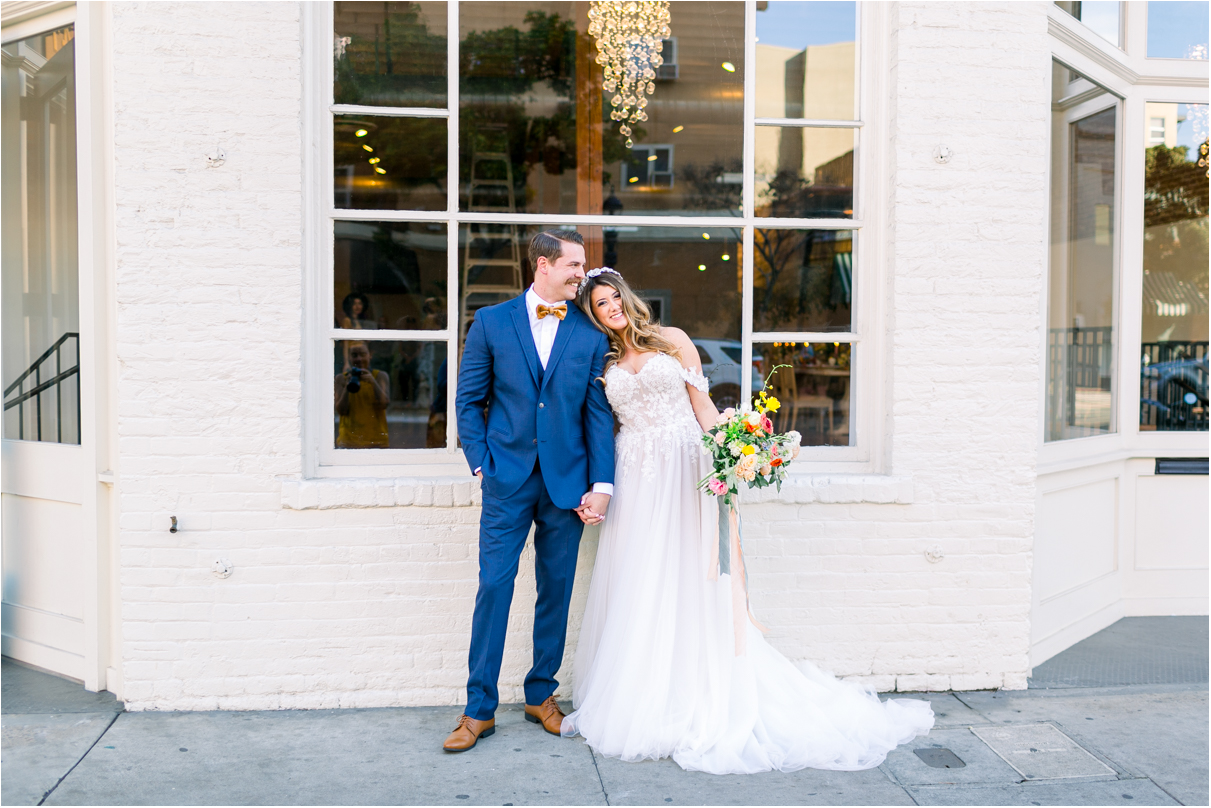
549,244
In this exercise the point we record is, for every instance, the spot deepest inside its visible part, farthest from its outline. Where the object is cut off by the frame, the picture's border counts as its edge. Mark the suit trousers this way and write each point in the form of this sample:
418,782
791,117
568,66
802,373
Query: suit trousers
503,527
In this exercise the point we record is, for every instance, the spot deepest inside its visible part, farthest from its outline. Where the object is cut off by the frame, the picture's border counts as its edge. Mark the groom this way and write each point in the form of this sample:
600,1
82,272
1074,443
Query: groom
537,430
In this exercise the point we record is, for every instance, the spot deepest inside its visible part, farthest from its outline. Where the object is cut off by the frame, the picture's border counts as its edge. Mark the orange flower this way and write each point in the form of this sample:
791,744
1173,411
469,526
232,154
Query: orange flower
777,461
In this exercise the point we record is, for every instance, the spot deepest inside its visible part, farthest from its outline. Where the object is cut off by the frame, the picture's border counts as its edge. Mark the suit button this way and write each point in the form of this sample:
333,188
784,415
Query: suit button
536,441
541,405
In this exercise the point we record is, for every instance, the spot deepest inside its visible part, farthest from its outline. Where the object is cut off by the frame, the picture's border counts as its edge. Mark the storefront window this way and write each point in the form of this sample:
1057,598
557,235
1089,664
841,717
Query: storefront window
812,382
1081,301
1173,373
1177,29
1103,17
41,317
649,168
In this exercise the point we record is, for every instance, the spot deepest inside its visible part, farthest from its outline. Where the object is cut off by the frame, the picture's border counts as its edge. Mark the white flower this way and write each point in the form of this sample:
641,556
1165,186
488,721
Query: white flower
735,447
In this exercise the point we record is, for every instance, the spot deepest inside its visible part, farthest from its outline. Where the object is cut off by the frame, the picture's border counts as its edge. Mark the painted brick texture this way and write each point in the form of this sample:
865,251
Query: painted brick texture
354,594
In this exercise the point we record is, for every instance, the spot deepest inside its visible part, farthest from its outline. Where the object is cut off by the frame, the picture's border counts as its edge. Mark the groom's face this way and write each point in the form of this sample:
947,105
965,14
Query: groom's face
561,278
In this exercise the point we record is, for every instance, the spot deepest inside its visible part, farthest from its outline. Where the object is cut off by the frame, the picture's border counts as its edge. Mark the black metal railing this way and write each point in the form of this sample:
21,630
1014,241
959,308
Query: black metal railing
1076,358
40,388
1173,386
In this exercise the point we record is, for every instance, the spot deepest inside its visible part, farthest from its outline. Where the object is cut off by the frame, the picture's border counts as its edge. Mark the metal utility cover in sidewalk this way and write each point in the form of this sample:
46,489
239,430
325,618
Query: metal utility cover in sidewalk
1041,752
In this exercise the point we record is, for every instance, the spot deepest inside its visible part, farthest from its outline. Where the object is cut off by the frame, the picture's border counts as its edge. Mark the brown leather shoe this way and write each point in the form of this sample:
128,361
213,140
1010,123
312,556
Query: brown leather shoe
548,714
467,733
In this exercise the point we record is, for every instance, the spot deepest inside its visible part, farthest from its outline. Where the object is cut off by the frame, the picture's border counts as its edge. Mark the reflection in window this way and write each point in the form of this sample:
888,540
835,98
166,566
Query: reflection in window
390,54
1177,29
805,59
1081,316
390,275
1102,16
804,172
388,163
41,316
389,395
802,280
536,136
1173,374
690,277
812,387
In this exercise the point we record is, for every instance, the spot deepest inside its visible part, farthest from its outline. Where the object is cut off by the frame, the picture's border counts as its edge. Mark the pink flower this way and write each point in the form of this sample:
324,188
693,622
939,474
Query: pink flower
717,486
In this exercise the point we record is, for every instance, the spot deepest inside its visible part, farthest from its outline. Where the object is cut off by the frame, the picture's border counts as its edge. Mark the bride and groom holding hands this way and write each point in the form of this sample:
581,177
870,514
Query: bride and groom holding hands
658,671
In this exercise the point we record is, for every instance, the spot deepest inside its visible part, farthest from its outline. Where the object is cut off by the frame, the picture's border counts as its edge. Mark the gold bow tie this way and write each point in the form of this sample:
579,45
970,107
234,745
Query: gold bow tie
559,311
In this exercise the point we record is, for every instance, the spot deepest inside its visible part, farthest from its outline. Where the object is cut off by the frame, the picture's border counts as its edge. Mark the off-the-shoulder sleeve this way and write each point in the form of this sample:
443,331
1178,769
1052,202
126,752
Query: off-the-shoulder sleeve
696,379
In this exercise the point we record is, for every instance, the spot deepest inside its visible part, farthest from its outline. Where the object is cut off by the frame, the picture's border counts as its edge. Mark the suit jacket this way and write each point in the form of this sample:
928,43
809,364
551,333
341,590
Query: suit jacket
558,416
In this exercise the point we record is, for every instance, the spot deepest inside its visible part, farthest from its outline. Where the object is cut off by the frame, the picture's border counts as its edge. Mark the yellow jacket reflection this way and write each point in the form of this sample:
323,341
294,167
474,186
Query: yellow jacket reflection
363,410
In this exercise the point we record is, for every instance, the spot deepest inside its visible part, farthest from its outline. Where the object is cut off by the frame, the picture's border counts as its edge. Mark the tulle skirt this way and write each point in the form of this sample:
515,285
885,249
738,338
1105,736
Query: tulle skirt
656,671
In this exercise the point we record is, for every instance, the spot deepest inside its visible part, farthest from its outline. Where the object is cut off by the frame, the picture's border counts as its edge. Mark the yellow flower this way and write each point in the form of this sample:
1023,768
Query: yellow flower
748,450
773,404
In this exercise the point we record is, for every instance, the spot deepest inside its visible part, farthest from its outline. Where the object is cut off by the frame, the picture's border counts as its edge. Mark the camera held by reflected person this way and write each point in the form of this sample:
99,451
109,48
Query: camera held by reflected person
355,378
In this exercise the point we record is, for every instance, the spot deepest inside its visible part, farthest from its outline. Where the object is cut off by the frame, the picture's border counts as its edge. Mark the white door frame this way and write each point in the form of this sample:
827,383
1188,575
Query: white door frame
85,474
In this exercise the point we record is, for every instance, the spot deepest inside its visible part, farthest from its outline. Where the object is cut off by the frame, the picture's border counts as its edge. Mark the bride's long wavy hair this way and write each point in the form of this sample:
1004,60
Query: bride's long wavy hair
641,333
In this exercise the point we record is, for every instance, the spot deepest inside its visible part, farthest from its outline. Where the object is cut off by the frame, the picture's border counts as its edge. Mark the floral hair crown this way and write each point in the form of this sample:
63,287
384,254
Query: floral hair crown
593,273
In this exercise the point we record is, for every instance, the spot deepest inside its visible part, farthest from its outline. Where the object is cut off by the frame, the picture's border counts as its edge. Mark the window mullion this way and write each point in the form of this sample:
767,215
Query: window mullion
748,205
453,292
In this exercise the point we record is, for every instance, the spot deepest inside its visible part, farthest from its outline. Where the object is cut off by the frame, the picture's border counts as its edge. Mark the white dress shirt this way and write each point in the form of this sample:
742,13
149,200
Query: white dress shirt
544,331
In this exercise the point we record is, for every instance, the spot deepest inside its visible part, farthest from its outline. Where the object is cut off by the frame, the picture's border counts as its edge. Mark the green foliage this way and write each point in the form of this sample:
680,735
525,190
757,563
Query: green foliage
402,65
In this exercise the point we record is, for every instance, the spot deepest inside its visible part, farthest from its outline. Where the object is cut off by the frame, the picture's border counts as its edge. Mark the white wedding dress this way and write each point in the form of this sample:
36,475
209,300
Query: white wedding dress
656,671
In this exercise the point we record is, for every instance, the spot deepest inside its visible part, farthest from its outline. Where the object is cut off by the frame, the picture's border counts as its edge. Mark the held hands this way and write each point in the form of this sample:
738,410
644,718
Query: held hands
593,508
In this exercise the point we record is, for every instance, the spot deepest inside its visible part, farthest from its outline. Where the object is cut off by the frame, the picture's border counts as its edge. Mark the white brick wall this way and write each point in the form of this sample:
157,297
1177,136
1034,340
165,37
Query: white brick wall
355,594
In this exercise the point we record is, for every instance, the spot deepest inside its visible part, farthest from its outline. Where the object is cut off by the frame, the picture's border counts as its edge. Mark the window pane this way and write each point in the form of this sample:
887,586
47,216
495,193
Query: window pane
390,54
1177,30
804,172
814,391
1102,16
389,163
802,280
805,60
536,134
690,277
1081,317
389,395
1173,383
390,275
41,316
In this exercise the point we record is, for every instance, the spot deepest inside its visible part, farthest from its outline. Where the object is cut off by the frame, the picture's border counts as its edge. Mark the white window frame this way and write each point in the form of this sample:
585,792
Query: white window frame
1136,80
866,333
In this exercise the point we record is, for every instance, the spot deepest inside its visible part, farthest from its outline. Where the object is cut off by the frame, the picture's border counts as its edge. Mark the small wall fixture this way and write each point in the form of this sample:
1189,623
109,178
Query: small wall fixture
941,154
173,529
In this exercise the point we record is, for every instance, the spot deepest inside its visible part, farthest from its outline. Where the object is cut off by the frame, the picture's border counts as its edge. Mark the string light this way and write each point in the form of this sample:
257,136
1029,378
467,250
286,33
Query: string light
629,36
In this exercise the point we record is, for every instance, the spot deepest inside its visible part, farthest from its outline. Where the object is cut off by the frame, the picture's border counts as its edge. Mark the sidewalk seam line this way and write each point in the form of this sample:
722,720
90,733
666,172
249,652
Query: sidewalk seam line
58,782
605,794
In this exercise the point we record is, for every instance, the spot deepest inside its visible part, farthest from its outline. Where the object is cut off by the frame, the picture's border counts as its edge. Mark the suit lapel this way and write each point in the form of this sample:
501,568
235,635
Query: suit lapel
564,333
521,320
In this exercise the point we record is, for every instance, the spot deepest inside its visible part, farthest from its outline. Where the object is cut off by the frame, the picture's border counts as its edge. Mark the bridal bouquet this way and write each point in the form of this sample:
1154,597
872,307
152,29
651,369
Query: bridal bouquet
744,448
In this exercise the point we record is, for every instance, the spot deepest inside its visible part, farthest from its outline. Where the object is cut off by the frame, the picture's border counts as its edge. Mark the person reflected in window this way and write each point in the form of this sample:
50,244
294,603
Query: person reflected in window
358,313
361,398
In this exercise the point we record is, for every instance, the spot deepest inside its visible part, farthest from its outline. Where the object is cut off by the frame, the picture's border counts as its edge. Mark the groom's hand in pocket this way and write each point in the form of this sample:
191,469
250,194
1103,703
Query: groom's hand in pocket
593,508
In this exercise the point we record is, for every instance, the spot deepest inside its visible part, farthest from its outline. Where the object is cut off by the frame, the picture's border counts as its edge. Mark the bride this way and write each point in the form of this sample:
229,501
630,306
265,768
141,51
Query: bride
656,672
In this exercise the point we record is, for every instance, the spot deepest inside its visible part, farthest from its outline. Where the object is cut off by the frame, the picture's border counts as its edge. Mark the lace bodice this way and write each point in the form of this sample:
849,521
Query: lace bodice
654,410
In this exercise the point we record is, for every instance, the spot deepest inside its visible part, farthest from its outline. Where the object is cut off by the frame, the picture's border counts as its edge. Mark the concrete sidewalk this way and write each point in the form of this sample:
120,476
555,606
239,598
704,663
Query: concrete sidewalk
1121,718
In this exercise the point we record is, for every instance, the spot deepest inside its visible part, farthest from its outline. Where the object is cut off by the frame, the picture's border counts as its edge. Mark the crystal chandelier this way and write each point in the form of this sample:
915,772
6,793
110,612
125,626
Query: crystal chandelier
629,36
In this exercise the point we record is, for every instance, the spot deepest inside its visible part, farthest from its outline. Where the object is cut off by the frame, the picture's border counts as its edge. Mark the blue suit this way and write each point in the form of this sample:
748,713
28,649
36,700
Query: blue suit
547,437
